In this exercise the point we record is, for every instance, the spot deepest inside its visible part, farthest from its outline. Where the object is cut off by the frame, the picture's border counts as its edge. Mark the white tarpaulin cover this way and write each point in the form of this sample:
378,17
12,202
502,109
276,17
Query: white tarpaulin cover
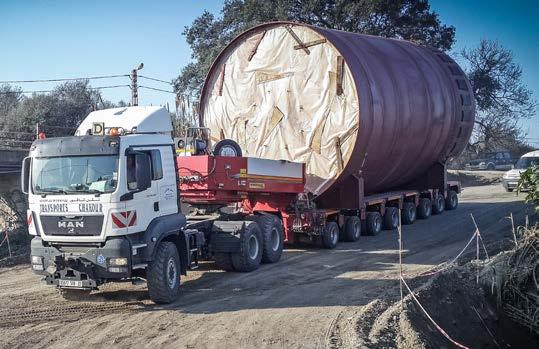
278,102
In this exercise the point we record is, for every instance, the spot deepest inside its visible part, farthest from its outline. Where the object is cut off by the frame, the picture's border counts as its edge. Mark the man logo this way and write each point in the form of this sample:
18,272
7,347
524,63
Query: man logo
70,224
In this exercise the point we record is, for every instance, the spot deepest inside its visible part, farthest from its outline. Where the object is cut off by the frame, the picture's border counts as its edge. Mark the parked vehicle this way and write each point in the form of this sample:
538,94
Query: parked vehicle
510,178
335,144
492,161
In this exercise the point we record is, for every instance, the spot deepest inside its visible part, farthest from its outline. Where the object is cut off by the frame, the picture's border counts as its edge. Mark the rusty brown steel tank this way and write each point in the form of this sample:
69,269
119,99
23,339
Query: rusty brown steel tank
348,105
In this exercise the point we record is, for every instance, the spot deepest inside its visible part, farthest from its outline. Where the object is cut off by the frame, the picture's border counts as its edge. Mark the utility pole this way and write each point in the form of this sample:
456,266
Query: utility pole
134,86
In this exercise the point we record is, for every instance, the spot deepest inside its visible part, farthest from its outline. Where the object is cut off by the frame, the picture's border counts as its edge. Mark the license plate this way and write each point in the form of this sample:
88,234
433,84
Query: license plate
70,283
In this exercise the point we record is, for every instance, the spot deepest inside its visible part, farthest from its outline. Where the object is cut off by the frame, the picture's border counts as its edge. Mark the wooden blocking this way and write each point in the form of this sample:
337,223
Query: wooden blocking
255,48
316,141
309,44
221,80
298,40
338,153
340,73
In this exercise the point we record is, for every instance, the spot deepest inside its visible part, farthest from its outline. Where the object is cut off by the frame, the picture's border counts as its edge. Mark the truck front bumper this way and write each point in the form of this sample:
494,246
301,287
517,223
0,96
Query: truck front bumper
81,266
510,183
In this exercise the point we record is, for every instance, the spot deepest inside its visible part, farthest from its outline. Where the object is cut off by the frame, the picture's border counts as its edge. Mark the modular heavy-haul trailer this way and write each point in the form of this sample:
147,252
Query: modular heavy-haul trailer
106,204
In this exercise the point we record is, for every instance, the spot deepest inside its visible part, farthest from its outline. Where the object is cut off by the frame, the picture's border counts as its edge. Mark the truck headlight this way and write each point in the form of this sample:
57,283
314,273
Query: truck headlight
117,262
37,262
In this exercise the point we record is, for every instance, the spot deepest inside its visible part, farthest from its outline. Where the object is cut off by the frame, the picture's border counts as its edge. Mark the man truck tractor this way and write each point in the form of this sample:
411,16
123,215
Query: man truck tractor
339,133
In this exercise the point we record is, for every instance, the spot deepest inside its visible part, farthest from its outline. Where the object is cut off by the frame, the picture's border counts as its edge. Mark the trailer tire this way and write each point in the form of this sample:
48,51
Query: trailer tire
374,223
452,200
163,274
227,147
272,237
391,218
352,229
424,209
438,205
408,213
223,261
330,235
250,255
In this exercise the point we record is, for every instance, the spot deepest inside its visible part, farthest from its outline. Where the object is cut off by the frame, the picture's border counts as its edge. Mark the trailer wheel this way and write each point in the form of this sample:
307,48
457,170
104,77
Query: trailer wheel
408,213
330,235
452,200
272,236
391,218
223,261
248,259
424,209
352,229
227,147
374,223
438,205
163,274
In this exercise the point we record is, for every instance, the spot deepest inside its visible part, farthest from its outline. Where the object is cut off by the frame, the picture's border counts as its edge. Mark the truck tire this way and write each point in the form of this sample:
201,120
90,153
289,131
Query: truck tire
352,229
163,274
438,205
223,261
374,223
452,200
74,294
248,259
330,235
272,237
424,209
408,213
391,218
227,147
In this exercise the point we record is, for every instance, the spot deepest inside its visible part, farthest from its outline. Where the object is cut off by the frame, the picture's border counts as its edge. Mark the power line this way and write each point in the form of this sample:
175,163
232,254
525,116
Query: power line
63,79
48,91
154,79
156,89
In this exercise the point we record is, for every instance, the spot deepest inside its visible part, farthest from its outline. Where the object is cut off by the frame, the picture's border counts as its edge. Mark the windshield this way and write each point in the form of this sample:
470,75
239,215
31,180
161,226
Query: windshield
75,174
525,162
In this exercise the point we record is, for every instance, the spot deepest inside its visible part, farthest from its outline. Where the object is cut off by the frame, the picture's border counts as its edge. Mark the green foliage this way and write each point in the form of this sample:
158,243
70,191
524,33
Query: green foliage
406,19
529,181
502,98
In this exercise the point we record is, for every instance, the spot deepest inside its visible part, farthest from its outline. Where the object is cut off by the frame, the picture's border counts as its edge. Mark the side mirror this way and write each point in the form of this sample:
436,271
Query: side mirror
142,171
25,175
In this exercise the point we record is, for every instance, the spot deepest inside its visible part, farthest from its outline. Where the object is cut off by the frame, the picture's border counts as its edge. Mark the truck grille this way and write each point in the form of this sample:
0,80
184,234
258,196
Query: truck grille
72,226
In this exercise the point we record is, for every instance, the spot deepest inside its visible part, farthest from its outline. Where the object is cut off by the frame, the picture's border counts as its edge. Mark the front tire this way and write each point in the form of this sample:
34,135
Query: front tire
452,200
250,255
163,274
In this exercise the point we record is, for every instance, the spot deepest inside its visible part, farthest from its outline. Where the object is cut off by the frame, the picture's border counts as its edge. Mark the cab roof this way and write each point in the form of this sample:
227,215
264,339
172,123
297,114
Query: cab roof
131,119
534,154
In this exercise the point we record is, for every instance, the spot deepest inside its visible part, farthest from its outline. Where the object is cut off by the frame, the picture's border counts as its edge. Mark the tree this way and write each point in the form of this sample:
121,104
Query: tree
502,98
405,19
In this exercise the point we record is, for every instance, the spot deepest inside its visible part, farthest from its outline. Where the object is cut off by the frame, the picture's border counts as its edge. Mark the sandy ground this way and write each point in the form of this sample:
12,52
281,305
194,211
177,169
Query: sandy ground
312,298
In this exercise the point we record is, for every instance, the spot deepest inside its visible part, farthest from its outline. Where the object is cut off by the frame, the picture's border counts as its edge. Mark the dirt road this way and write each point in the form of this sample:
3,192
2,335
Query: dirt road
311,299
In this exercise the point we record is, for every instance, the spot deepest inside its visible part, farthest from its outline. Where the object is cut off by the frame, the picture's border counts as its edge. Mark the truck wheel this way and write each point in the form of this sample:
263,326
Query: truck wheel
509,190
452,200
491,167
74,294
272,236
352,229
330,235
424,209
438,205
223,261
408,213
251,248
374,223
391,218
163,274
227,147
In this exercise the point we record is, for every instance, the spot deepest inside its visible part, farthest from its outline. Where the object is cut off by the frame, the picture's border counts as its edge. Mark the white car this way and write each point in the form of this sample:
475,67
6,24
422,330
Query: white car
510,178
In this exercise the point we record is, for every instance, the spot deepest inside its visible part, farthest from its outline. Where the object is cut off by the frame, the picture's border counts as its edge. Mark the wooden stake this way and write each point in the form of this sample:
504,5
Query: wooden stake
513,229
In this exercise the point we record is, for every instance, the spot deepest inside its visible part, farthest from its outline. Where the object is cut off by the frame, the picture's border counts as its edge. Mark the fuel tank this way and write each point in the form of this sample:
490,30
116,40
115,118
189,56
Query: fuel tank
350,106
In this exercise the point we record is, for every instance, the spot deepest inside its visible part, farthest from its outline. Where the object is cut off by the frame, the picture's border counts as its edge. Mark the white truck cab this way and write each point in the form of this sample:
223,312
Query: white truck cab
510,178
100,202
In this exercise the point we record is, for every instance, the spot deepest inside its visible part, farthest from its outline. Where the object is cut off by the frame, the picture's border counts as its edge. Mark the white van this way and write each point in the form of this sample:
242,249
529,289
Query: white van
511,177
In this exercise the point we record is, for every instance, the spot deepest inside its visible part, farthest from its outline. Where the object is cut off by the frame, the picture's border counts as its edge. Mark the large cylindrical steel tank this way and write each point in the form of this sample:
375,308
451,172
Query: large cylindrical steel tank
348,105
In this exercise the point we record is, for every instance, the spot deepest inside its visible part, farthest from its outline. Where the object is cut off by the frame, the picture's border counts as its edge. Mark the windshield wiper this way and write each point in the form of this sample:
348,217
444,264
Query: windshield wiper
86,191
51,191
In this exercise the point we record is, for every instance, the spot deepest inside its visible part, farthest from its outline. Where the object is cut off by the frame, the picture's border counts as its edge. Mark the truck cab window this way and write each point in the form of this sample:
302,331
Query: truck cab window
131,177
157,167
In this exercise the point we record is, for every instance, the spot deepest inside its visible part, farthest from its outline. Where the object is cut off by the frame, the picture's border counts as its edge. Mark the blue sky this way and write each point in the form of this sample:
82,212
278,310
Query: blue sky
56,39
